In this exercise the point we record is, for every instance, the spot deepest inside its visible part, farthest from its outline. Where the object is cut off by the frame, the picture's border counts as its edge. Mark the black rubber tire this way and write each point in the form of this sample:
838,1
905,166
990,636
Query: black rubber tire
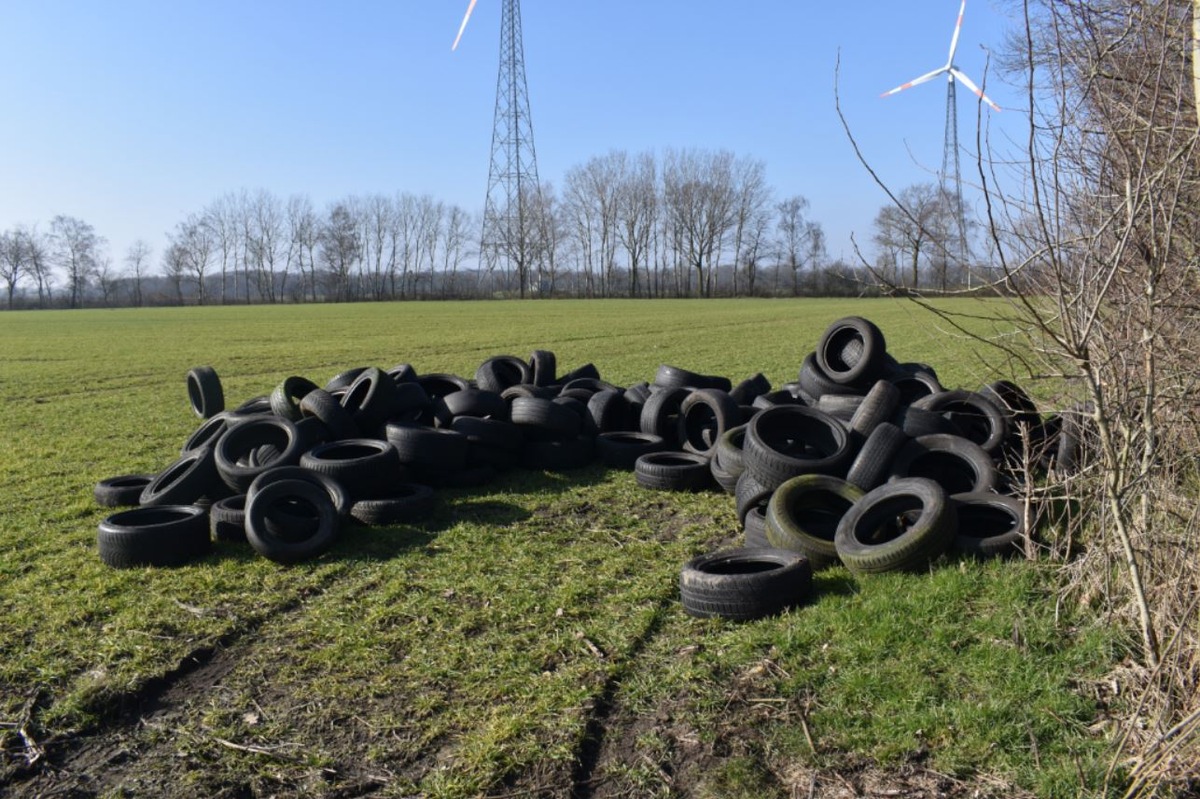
1013,401
704,416
660,414
959,466
840,406
122,491
428,450
587,370
227,519
731,449
303,542
609,412
162,535
914,382
620,449
989,525
370,399
803,516
205,393
744,584
559,454
502,371
233,449
542,419
816,383
338,494
208,432
439,384
409,502
873,464
772,398
877,407
472,402
900,526
285,399
754,529
1076,439
917,422
789,440
255,406
749,494
544,366
342,380
975,417
493,433
402,373
669,376
192,476
673,471
725,478
866,365
745,392
324,406
367,467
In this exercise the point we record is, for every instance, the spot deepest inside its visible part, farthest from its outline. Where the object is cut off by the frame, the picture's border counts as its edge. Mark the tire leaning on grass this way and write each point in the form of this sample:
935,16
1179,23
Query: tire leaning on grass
899,526
205,393
989,525
673,471
804,513
744,584
304,541
621,449
161,535
122,491
192,476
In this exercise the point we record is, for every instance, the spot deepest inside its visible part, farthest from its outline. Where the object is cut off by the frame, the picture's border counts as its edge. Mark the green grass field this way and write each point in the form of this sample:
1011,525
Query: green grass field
527,640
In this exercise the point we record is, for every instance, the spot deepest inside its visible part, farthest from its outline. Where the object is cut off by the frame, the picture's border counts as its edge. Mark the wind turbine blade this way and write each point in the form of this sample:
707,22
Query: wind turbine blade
957,29
463,26
915,81
970,85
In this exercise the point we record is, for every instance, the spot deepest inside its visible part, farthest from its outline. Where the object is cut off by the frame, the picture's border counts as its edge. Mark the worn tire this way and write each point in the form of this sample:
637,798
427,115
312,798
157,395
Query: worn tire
852,334
285,398
621,449
227,519
205,393
804,513
673,471
704,416
122,491
787,441
308,539
367,467
989,525
161,535
973,415
192,476
744,584
503,371
959,466
899,526
324,406
275,440
754,528
873,464
338,494
409,502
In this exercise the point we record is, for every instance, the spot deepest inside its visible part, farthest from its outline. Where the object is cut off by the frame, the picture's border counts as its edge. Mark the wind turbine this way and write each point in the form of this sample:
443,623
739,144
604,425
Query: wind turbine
508,220
951,177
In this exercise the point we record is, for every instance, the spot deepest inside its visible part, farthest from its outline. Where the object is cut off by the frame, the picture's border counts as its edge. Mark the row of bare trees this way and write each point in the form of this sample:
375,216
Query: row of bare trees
688,223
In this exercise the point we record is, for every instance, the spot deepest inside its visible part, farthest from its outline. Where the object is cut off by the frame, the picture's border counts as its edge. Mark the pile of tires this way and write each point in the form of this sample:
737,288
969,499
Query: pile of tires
862,460
872,463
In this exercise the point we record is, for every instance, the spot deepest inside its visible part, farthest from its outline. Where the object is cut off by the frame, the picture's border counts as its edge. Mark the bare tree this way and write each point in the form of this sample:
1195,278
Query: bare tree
13,261
76,250
753,200
268,248
700,195
908,228
41,265
796,233
175,269
637,201
195,242
456,233
137,261
340,250
304,235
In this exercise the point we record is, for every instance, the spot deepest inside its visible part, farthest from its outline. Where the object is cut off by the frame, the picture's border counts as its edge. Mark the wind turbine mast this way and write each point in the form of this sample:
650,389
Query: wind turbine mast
950,179
513,195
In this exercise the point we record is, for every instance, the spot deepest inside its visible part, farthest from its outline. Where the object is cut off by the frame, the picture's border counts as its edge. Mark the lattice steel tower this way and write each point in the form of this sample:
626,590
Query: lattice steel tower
951,187
513,206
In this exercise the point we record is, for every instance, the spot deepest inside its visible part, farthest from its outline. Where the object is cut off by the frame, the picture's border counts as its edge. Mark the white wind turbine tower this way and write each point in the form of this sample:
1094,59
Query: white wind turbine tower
951,177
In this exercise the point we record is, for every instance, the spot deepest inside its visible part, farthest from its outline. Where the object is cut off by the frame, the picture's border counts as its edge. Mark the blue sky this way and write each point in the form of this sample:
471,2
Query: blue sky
131,114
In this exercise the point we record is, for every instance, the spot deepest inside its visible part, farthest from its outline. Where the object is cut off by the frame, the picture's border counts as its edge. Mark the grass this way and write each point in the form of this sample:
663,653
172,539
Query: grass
480,651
